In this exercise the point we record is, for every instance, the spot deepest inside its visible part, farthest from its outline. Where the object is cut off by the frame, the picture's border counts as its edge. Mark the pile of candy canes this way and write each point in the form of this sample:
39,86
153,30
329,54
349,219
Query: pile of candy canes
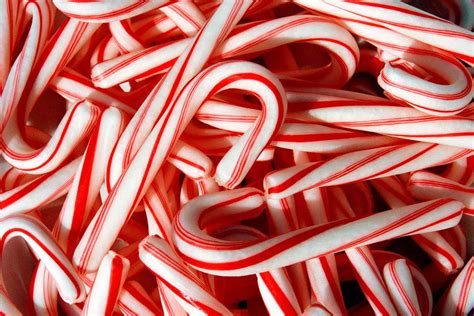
236,157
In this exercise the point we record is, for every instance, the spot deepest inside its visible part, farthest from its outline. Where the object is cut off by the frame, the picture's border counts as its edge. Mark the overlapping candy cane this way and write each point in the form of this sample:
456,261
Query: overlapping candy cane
361,165
42,243
186,15
299,132
242,258
42,15
414,23
402,288
382,117
164,94
425,185
76,124
108,282
458,300
448,97
445,256
100,12
38,192
231,169
254,39
191,292
80,200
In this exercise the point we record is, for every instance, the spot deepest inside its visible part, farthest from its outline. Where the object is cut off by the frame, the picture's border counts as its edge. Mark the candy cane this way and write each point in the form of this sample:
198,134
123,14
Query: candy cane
415,23
107,285
158,256
164,94
91,11
424,185
186,15
363,262
38,192
298,133
382,117
232,167
360,165
243,258
41,23
74,127
458,300
42,243
80,200
251,40
402,288
124,36
436,99
74,87
434,244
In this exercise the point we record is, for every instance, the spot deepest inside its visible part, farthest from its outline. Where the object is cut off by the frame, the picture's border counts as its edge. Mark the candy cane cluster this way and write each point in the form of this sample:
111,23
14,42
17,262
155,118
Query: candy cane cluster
247,157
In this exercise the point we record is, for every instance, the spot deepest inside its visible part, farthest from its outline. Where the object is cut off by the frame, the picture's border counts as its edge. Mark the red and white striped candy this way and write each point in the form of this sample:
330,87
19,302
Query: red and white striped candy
360,165
424,185
100,12
459,299
231,170
191,292
243,258
39,238
107,285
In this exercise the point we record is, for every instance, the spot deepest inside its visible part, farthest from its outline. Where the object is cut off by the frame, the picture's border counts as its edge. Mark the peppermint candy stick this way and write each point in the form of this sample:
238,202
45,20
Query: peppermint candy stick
76,124
458,300
231,169
74,87
252,40
445,256
43,245
243,258
400,282
100,12
437,99
382,117
60,49
370,280
79,202
282,219
415,23
300,132
38,192
107,285
165,93
186,15
360,165
363,263
191,292
42,15
425,185
275,287
124,36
